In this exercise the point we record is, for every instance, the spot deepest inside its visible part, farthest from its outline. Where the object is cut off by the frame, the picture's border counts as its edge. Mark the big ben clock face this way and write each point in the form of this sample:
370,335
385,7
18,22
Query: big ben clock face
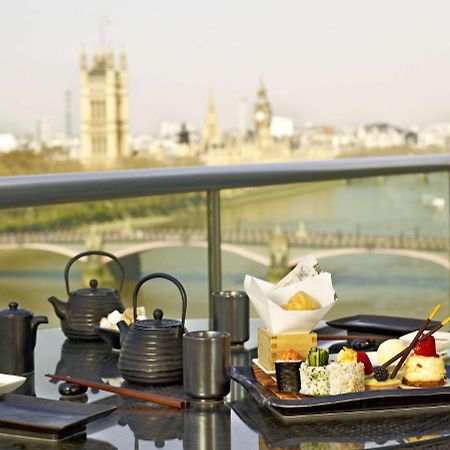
260,116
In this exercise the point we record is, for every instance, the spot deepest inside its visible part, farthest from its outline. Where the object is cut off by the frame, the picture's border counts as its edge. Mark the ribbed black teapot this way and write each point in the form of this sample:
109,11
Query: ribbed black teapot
82,313
18,328
152,349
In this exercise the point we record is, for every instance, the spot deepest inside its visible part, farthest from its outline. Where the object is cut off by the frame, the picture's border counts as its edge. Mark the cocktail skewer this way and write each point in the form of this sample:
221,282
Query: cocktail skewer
422,338
414,341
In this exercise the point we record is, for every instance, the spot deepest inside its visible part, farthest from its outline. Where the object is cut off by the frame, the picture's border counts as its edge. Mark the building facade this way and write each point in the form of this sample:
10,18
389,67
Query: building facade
253,146
103,109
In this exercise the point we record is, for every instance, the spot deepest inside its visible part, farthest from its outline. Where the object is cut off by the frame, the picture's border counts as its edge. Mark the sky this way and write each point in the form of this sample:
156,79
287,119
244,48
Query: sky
337,62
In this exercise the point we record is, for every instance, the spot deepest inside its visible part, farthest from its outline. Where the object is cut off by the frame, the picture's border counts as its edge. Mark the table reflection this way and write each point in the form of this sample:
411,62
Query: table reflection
151,422
342,434
77,443
90,360
207,428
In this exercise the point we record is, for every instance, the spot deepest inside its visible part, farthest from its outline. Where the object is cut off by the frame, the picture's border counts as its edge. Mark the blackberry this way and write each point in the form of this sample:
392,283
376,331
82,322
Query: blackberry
380,373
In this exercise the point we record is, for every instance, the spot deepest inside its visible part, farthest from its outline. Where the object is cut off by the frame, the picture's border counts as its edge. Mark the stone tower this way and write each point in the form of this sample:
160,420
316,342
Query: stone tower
103,109
262,112
212,136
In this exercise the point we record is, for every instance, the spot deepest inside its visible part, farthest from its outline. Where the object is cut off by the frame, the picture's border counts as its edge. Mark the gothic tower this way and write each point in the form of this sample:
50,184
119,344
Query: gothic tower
262,112
212,136
103,109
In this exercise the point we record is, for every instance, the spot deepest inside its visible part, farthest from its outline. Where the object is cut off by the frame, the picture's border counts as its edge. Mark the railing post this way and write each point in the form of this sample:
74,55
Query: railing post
214,250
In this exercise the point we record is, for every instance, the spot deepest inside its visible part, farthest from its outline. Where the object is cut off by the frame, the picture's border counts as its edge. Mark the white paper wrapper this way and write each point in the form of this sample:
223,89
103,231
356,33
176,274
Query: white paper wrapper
268,298
307,267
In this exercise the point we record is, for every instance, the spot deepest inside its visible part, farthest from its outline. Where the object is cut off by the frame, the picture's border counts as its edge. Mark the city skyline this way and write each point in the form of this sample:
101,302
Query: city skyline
334,62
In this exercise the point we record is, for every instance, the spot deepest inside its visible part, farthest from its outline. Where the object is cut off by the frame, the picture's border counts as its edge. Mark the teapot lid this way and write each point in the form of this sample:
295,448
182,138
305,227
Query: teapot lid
94,290
15,311
157,322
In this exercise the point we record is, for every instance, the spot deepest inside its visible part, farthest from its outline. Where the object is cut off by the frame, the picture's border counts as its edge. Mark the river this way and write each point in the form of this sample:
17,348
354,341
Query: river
365,283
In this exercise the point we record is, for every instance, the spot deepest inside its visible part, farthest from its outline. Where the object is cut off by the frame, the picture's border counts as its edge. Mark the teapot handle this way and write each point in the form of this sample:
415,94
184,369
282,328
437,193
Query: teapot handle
88,253
166,277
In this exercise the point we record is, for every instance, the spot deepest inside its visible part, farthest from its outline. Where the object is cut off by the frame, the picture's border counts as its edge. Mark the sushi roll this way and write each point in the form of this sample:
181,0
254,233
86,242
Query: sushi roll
346,374
314,378
288,371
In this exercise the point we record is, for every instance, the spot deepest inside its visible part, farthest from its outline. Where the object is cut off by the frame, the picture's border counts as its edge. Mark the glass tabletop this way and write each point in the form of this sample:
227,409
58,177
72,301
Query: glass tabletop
237,424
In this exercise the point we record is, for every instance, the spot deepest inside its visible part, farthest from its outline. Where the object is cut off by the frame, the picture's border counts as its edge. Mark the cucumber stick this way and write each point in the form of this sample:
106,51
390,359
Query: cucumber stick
318,356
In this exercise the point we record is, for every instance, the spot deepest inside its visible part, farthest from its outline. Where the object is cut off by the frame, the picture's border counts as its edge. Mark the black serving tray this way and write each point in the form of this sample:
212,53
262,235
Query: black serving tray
385,325
46,419
346,406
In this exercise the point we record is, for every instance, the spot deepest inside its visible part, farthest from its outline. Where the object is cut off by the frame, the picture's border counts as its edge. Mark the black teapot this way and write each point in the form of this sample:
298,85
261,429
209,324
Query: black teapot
152,350
18,328
82,313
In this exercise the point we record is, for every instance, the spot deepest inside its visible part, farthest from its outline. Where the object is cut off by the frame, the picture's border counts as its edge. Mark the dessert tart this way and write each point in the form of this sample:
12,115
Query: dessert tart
372,384
425,368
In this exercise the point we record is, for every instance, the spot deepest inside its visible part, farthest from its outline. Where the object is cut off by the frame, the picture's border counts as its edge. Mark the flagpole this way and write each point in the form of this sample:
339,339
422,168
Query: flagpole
102,35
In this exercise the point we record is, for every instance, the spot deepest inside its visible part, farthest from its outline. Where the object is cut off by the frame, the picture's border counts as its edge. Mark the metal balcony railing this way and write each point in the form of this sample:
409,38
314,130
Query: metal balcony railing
38,190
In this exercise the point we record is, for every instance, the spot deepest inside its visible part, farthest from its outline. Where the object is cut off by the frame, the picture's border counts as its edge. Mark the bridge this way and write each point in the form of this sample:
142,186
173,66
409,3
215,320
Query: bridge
236,241
238,236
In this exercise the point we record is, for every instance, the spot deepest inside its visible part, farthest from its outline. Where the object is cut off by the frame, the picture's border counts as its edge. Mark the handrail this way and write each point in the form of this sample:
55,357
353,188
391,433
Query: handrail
37,190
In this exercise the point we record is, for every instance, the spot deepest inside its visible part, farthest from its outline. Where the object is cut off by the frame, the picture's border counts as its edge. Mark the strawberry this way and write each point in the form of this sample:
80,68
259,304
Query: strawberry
426,347
363,358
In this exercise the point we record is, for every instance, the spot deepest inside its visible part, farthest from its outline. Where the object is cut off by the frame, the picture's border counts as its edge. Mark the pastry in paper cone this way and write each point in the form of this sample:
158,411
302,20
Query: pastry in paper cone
301,301
269,299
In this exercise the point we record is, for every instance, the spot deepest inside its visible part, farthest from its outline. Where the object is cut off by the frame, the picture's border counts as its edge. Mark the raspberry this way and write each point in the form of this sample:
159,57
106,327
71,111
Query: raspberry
380,373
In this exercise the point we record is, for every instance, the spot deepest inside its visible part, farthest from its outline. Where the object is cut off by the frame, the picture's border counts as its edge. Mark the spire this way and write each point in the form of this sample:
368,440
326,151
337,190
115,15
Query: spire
261,84
110,59
262,111
262,93
212,135
211,104
83,59
122,60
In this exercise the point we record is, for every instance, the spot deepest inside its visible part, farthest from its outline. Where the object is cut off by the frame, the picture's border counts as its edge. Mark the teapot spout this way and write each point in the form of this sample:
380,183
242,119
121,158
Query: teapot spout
124,329
59,307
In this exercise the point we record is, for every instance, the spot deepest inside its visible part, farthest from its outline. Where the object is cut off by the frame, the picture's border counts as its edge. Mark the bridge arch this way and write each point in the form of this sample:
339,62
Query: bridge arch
255,257
50,248
415,254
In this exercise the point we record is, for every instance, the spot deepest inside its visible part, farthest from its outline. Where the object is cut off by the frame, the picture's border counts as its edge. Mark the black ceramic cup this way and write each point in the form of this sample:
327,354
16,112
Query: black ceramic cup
231,313
288,375
206,365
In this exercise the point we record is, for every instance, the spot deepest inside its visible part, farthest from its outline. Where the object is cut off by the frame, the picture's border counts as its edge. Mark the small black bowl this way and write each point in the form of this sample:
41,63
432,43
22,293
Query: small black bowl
111,337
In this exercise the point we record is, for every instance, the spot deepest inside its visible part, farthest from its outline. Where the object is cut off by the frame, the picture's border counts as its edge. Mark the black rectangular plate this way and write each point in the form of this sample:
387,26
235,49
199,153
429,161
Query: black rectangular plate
386,325
47,419
357,404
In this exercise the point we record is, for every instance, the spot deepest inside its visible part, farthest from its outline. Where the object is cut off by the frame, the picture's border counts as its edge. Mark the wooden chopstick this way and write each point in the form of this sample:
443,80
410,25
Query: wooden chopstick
147,396
344,337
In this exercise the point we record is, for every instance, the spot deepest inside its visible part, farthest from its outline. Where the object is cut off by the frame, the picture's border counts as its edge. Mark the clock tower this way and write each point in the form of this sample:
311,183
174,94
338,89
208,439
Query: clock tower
262,112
